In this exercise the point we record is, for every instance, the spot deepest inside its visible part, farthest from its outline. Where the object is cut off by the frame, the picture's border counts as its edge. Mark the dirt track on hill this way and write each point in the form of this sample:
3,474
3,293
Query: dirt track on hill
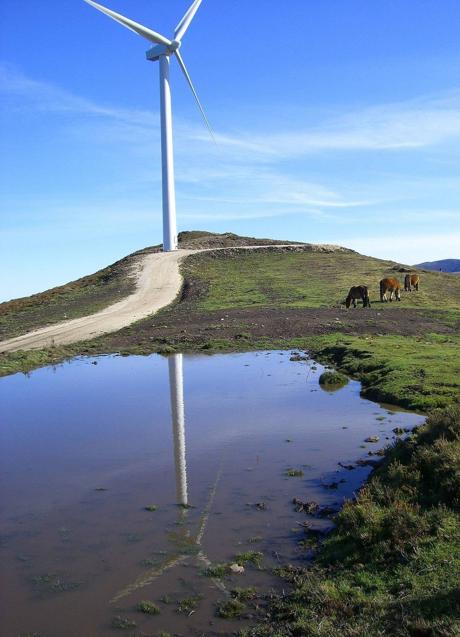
159,282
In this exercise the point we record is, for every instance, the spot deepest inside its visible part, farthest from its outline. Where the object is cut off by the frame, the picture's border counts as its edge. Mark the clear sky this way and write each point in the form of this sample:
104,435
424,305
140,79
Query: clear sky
337,121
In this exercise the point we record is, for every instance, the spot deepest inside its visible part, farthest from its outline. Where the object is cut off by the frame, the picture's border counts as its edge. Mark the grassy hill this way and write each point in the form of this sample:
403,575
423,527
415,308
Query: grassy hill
310,277
305,278
94,292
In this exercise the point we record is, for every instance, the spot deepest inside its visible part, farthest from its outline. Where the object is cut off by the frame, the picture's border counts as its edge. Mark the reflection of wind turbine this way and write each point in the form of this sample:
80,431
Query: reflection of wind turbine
164,49
191,544
176,388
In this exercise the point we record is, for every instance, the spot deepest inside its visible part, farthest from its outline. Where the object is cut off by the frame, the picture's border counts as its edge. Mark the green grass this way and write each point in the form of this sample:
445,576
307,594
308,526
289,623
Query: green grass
217,570
249,557
188,604
333,378
148,608
244,594
306,279
294,473
415,372
392,566
230,609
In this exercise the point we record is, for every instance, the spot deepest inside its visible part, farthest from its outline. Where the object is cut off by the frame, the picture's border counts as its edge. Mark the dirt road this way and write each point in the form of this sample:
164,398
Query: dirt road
157,286
159,282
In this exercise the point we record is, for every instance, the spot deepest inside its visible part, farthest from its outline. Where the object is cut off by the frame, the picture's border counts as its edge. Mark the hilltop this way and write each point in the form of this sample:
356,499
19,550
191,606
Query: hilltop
444,265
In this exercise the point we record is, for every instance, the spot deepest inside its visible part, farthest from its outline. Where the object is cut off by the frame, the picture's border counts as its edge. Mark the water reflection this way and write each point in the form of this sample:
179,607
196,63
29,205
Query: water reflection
176,390
66,432
185,541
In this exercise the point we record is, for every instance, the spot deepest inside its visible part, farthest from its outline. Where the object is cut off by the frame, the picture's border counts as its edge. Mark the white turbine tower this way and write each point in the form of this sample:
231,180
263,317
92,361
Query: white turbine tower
163,50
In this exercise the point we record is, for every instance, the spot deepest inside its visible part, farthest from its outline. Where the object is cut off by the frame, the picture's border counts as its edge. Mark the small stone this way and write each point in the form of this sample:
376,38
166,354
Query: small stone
237,569
372,439
305,506
331,485
261,506
348,467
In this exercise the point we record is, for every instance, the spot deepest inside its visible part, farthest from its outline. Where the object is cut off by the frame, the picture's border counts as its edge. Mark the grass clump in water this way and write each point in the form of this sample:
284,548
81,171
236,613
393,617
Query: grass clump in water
189,604
243,594
249,557
151,507
148,608
123,623
333,379
166,599
53,583
217,570
230,609
294,473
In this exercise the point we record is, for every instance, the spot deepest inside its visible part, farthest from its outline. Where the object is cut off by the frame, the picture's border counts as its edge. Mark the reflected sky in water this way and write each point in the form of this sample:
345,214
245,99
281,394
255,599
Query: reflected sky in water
86,446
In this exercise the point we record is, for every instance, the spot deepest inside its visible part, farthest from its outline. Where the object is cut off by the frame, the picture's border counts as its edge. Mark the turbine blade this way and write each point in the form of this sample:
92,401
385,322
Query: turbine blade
189,80
146,33
186,20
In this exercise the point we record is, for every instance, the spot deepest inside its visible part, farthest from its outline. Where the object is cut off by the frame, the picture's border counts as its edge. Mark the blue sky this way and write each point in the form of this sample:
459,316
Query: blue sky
337,121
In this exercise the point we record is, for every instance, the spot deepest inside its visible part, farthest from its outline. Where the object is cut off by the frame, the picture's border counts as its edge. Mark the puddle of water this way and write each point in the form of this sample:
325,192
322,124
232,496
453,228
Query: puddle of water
208,442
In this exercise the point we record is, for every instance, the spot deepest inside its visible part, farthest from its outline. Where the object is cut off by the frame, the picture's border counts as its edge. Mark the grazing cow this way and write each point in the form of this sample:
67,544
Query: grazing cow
391,285
360,293
411,281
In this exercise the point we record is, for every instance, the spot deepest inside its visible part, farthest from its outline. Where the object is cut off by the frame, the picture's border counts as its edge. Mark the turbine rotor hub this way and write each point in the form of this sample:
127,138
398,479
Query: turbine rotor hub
175,44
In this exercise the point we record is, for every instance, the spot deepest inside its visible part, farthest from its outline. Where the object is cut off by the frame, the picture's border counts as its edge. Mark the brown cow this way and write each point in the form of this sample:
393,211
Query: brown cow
360,293
411,281
391,285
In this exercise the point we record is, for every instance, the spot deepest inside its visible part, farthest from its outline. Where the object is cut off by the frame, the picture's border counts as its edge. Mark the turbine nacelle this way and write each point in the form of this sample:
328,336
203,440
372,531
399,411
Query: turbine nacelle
163,45
154,54
157,51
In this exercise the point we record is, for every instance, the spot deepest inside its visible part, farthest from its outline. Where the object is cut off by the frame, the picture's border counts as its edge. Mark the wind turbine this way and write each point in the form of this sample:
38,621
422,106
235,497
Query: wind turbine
162,51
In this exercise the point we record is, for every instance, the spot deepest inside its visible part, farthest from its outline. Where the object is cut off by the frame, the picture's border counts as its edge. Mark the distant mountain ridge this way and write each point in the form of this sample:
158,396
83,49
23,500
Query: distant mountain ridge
443,265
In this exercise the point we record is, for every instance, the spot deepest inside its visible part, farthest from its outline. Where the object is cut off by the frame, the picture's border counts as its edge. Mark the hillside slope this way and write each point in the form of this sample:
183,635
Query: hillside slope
95,292
271,290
